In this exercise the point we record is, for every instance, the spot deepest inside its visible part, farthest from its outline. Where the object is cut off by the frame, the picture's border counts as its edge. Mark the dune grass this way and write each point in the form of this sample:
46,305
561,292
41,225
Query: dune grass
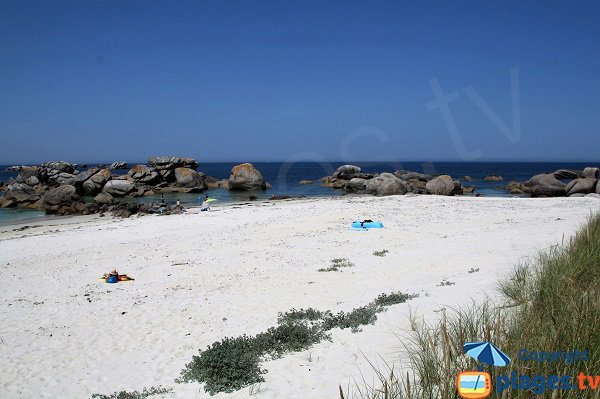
550,304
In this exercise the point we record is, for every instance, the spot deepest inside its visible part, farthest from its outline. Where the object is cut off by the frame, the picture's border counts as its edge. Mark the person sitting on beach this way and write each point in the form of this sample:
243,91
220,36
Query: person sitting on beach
205,206
112,277
115,277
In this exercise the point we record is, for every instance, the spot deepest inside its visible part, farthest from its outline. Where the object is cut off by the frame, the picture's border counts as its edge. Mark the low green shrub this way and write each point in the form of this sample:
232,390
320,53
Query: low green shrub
135,394
337,264
234,363
381,253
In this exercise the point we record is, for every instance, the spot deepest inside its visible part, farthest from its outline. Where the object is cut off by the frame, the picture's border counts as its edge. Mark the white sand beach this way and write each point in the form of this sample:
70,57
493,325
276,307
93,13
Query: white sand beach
199,277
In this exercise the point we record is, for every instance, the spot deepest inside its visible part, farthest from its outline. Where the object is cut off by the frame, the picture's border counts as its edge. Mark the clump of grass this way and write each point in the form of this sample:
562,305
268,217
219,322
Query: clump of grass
550,304
234,363
337,264
135,394
381,253
446,283
473,270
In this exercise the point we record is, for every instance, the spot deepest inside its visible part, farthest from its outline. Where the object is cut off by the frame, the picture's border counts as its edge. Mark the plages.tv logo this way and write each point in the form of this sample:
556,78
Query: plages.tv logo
478,384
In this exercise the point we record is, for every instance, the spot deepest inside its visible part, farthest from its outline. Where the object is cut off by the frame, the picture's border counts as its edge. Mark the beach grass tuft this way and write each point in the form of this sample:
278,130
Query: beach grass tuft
551,304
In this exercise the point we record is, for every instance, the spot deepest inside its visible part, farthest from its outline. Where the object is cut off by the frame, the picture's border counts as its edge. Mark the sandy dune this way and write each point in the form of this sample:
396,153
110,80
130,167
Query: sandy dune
199,277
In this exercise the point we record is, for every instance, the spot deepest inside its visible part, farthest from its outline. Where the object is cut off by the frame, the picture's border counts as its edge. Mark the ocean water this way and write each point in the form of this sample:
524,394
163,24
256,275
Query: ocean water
285,176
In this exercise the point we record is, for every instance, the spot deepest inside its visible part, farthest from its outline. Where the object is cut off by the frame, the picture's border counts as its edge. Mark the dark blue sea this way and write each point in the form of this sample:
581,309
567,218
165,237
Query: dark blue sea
285,176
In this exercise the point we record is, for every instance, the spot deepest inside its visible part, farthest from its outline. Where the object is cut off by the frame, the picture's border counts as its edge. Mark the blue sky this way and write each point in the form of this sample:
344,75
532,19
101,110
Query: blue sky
281,80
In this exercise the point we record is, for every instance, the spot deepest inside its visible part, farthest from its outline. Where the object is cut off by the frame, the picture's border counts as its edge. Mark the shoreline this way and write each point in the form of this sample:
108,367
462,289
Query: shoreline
202,277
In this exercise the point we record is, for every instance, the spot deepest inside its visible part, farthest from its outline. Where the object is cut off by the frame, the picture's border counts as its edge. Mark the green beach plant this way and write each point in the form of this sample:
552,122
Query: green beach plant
234,363
337,264
381,253
146,393
550,304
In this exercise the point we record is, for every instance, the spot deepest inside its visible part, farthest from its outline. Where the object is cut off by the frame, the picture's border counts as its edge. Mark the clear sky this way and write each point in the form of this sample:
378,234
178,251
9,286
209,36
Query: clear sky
287,80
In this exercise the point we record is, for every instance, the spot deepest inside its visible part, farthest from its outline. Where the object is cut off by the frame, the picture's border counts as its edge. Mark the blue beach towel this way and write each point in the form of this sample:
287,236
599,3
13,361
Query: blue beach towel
367,225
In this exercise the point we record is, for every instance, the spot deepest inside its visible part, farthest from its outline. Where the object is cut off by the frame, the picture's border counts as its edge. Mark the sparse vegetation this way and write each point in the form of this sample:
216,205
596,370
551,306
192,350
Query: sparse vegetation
234,363
473,270
381,253
550,304
337,264
135,394
446,283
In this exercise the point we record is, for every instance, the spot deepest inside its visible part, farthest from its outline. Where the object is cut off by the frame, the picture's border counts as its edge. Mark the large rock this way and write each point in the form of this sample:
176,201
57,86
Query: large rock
441,185
60,195
83,177
246,177
189,178
118,188
355,185
103,198
20,193
171,163
346,172
585,185
94,183
32,181
64,178
118,165
145,174
546,185
591,172
386,184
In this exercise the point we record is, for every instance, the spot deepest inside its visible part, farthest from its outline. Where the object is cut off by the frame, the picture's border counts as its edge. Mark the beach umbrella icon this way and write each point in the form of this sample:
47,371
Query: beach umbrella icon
486,352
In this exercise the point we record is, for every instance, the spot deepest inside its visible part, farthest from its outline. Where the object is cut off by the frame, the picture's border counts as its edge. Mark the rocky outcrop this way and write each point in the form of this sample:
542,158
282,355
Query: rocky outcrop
546,185
441,185
118,188
118,165
584,185
246,177
493,178
386,184
189,178
346,172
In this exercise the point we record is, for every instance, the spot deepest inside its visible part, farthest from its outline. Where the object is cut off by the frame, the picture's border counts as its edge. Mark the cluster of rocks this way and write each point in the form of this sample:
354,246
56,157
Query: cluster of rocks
60,188
563,182
351,179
